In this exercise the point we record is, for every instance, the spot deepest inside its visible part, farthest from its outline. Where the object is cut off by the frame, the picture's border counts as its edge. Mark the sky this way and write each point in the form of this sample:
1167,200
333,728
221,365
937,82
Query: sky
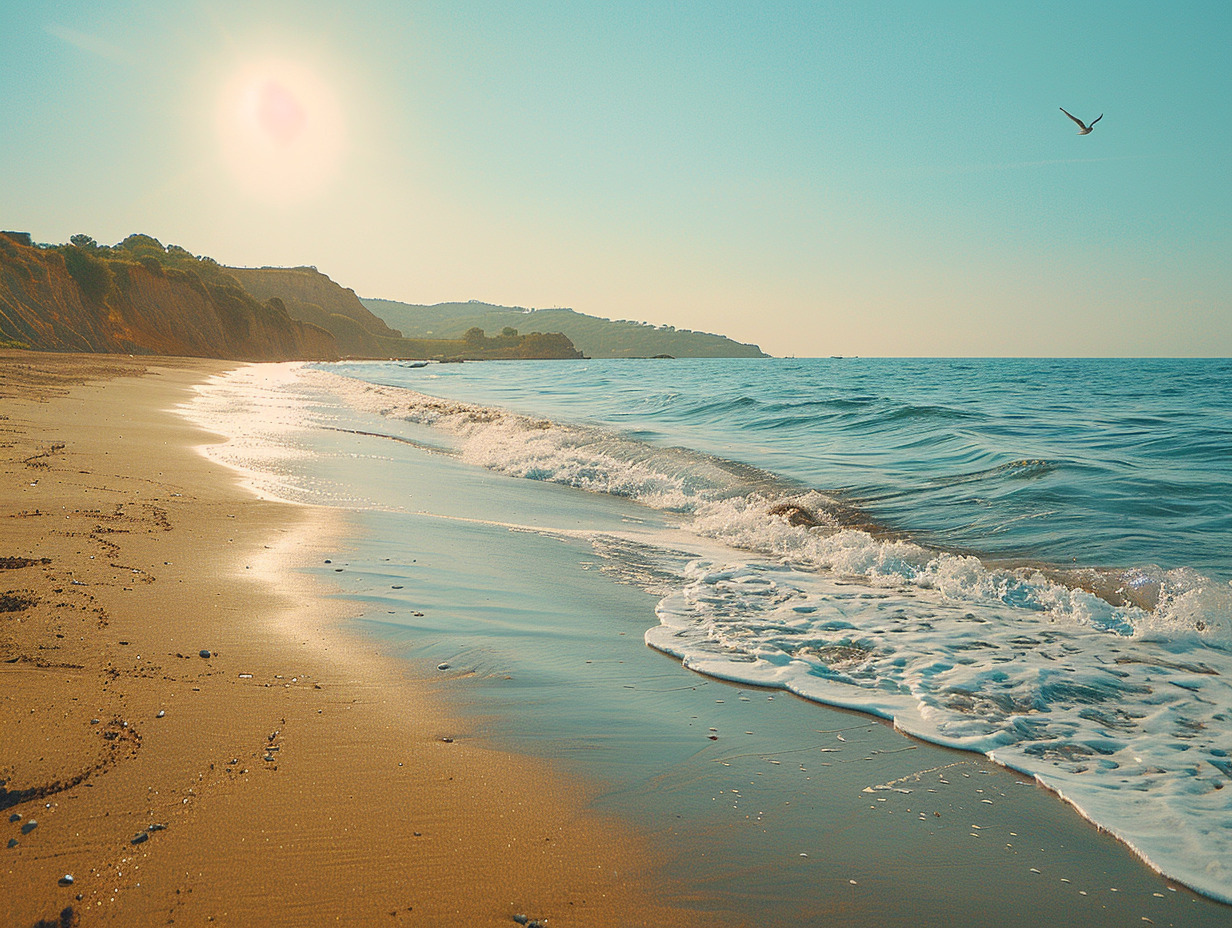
858,178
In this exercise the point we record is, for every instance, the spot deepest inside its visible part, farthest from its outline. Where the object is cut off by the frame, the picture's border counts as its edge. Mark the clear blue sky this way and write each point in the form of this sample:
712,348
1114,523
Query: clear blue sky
822,178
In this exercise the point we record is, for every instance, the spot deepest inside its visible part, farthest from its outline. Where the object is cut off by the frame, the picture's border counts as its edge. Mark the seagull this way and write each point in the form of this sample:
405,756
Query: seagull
1083,128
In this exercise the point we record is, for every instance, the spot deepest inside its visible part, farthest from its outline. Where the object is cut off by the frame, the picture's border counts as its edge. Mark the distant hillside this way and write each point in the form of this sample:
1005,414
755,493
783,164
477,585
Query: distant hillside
474,345
595,337
138,297
310,296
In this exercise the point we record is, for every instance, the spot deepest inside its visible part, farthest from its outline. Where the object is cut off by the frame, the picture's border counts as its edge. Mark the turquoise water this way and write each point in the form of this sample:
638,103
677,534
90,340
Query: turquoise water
1111,462
1027,560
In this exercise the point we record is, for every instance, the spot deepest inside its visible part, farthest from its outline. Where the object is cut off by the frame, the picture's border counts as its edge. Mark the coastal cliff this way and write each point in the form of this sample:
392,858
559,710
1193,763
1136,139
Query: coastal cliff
139,298
311,296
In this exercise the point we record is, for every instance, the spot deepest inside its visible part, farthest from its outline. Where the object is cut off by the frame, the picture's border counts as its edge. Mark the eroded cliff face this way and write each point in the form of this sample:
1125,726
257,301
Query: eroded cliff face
69,300
313,297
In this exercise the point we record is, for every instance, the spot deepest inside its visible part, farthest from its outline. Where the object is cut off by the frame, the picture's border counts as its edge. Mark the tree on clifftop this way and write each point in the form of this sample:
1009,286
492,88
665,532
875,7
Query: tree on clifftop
92,275
138,245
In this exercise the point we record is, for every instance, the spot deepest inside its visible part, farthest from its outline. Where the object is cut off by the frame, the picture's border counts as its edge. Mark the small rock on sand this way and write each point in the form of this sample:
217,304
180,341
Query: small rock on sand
141,837
205,652
66,880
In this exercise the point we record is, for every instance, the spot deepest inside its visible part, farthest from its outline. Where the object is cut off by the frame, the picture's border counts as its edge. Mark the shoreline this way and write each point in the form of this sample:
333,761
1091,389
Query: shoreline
524,780
439,537
799,813
167,809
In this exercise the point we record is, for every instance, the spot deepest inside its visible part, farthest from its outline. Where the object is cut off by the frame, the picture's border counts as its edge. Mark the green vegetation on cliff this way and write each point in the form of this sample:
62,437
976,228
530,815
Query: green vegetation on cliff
595,337
141,297
138,297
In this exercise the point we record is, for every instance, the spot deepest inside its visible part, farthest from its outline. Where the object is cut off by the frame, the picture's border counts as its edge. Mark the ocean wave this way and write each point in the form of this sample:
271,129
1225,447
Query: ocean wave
1013,470
924,413
752,510
1111,686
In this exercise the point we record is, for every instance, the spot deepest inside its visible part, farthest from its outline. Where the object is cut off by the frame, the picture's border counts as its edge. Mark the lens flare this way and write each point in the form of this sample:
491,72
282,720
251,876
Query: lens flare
279,112
281,131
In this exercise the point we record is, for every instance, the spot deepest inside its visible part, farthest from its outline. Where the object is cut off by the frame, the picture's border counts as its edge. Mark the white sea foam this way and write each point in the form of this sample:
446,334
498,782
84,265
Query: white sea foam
1112,688
1135,733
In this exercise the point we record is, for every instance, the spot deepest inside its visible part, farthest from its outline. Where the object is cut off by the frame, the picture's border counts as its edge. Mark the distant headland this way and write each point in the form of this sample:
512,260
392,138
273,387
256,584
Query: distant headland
596,337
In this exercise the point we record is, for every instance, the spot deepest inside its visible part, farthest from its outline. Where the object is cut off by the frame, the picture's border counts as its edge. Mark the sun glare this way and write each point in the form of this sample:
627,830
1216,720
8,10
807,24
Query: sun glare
281,131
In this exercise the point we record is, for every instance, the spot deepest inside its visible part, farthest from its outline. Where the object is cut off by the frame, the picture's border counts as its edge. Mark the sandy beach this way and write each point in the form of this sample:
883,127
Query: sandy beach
191,736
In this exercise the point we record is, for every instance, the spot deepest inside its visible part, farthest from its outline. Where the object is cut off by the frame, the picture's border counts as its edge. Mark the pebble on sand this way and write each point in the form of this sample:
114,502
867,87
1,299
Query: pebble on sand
141,837
205,652
66,880
442,666
161,713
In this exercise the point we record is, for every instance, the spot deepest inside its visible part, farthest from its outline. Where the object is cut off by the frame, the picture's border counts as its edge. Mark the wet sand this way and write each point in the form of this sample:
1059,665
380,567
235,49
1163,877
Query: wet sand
296,775
768,810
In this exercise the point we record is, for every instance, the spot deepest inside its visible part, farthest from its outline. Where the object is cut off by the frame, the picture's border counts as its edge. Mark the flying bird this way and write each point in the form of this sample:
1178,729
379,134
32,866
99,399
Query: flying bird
1083,128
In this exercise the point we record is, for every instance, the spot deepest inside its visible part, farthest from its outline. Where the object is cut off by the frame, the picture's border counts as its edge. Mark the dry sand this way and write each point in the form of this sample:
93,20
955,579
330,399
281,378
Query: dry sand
295,776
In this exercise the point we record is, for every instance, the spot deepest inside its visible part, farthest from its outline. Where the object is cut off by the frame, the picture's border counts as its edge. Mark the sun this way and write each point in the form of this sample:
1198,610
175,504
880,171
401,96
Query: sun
281,131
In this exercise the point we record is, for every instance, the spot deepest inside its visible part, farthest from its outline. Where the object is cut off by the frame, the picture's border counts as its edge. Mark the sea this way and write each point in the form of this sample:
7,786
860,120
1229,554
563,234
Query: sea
1028,560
